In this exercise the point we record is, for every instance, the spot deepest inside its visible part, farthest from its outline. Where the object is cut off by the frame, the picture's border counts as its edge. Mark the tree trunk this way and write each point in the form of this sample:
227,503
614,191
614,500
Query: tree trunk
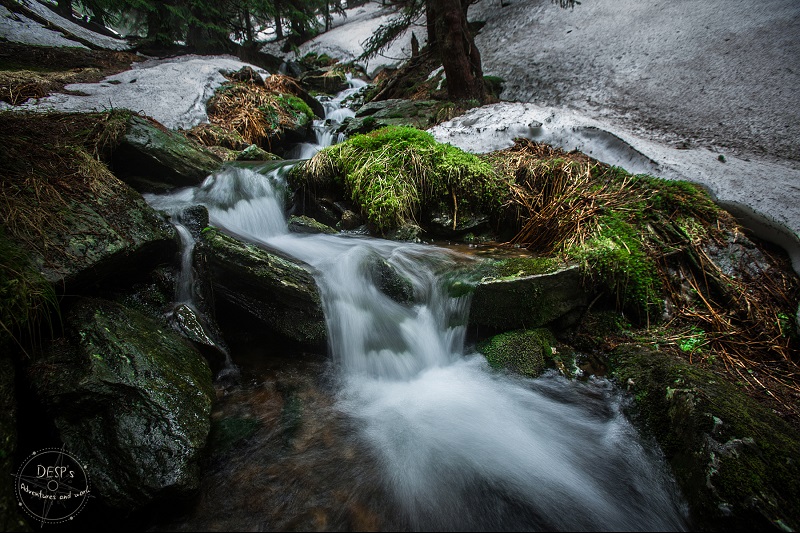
460,57
430,22
278,26
248,25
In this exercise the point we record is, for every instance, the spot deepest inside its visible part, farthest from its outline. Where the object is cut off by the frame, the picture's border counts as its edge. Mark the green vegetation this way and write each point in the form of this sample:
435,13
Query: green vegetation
396,173
297,105
522,351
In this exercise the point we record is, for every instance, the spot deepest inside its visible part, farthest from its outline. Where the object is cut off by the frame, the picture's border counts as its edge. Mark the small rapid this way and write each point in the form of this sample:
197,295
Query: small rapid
457,445
445,442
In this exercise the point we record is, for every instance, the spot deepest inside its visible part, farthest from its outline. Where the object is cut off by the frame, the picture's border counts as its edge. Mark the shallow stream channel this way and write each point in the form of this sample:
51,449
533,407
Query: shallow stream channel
402,425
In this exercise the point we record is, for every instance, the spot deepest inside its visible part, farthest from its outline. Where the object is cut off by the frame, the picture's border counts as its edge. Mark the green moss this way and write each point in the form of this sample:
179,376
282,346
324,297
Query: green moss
394,173
522,351
297,106
736,461
615,257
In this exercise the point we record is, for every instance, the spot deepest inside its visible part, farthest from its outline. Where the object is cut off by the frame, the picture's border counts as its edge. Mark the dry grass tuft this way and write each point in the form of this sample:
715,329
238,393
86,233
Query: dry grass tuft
252,111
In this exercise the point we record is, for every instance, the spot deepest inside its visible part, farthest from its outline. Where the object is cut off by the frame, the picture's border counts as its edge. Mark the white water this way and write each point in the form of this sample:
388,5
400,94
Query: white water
461,446
335,115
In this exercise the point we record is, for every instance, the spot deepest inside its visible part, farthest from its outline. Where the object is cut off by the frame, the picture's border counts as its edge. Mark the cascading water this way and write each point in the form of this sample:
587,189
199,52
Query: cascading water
457,446
335,115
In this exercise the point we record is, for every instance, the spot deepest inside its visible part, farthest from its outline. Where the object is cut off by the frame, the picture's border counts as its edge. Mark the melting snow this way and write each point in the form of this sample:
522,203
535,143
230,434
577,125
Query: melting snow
20,29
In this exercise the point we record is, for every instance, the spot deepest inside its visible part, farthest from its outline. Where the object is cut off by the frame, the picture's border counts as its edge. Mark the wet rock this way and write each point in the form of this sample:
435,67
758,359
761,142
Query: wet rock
388,280
151,151
441,225
106,235
304,224
131,398
279,291
397,112
408,232
324,81
529,302
521,351
734,460
255,153
195,218
350,220
246,75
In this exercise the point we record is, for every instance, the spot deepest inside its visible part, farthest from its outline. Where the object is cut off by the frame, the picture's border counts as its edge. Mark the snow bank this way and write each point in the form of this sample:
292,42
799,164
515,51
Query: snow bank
172,91
348,34
77,30
20,29
764,195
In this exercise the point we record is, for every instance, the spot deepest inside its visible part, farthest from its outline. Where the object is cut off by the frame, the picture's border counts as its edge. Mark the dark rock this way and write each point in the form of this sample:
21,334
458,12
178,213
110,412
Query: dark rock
280,292
521,351
350,220
195,218
131,398
441,225
397,112
205,337
256,153
407,232
107,235
304,224
324,81
388,280
10,517
738,258
246,75
734,460
150,150
528,302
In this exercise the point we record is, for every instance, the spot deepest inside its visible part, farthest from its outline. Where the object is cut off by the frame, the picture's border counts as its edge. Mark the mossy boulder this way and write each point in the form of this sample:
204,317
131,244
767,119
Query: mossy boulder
420,114
324,81
521,351
255,153
103,234
304,224
388,280
130,398
279,291
529,301
149,150
735,460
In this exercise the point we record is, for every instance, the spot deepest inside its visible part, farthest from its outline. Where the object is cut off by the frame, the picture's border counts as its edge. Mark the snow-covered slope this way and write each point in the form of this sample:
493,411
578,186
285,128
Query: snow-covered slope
172,91
18,28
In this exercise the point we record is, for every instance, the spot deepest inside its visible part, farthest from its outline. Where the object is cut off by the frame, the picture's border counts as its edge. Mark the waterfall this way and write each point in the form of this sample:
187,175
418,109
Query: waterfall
459,446
335,115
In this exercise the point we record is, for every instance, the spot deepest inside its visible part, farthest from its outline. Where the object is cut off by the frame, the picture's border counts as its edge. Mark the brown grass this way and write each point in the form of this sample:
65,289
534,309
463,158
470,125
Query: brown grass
250,110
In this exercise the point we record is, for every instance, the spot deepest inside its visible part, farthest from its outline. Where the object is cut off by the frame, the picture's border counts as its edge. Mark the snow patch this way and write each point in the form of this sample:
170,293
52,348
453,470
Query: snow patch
58,21
763,195
20,29
172,91
345,40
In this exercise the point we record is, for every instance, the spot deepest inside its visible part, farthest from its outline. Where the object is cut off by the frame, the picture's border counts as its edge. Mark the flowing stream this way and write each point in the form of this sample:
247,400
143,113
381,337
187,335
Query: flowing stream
404,428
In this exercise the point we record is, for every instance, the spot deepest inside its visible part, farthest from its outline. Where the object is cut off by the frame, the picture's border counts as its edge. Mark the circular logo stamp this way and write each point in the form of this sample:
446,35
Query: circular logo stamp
52,486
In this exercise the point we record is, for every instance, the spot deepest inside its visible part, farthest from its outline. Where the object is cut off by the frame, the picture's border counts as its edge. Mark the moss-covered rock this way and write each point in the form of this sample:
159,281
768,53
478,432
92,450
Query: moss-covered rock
304,224
399,174
324,81
256,153
522,351
735,460
388,280
529,301
420,114
280,292
129,397
151,151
